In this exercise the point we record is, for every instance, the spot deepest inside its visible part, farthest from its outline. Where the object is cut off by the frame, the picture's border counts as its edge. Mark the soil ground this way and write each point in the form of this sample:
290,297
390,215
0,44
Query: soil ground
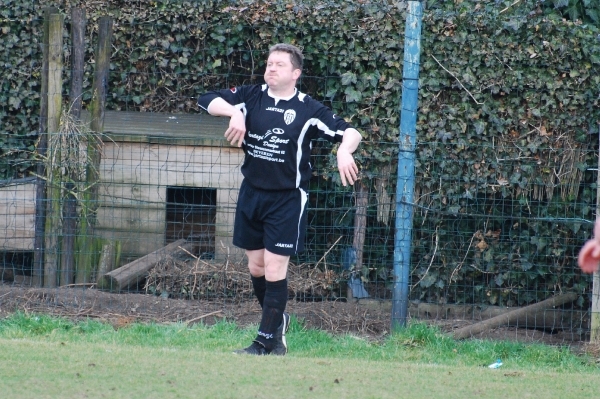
120,309
368,319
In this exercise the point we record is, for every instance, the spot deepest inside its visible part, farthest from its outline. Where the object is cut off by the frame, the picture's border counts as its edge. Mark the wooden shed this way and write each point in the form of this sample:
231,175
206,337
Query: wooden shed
163,177
17,220
17,214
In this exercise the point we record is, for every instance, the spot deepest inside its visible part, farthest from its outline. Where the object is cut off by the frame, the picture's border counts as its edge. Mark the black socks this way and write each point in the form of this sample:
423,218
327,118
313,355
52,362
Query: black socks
260,286
274,302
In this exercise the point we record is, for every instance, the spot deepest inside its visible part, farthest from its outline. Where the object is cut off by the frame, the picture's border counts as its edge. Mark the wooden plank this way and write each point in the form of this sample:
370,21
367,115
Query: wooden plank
116,194
164,128
135,271
134,245
133,153
17,216
17,225
17,199
17,240
133,219
213,167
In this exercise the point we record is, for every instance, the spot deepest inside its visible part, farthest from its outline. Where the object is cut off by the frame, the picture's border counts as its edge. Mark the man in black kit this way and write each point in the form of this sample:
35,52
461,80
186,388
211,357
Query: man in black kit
274,123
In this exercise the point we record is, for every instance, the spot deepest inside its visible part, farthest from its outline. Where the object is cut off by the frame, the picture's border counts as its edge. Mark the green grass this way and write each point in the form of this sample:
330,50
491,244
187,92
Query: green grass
46,357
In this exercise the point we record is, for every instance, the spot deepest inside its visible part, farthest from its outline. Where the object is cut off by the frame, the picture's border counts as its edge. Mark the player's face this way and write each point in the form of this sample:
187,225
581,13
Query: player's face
280,73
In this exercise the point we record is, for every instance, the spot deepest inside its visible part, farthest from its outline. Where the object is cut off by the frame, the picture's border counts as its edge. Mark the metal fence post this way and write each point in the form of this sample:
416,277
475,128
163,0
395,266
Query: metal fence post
406,163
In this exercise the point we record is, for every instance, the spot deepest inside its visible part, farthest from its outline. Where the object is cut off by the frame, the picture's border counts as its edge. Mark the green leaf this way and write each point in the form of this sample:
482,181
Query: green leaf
348,78
352,95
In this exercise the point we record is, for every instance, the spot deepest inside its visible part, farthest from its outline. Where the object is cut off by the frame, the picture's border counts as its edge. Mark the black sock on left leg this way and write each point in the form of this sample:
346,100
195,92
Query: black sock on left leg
275,301
260,286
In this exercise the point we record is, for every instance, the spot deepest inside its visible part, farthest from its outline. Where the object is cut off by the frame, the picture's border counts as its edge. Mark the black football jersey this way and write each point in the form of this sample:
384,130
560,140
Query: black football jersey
279,133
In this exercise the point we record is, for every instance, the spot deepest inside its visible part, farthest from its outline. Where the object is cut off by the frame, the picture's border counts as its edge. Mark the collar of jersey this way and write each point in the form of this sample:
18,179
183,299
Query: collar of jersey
277,99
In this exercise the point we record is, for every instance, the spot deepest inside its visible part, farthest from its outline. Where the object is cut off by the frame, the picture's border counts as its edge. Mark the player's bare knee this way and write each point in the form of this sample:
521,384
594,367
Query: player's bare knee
256,270
275,266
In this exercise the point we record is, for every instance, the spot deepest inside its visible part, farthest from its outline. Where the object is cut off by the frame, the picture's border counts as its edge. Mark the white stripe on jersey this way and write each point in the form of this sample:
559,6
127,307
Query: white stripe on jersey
241,107
322,127
304,200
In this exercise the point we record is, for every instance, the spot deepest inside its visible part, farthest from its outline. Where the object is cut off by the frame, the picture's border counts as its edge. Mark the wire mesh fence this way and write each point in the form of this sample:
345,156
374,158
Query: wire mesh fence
159,225
471,260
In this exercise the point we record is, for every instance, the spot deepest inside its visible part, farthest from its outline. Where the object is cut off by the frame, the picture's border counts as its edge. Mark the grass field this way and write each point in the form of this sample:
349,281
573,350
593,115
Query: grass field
43,357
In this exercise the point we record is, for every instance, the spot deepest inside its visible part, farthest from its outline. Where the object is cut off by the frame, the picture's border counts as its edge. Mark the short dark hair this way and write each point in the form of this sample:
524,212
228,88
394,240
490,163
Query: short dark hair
295,53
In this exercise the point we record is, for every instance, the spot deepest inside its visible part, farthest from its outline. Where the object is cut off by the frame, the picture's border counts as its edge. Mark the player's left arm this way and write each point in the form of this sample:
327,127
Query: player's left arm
345,160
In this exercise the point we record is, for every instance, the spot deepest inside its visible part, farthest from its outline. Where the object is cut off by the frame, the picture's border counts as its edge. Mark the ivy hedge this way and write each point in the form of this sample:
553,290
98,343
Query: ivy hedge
507,123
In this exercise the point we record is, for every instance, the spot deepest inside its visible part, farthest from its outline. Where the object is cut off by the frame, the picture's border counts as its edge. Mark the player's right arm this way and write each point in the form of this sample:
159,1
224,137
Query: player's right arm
217,106
237,123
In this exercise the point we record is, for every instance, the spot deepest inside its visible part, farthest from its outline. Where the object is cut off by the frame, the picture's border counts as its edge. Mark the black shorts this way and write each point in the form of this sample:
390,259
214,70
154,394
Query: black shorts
274,220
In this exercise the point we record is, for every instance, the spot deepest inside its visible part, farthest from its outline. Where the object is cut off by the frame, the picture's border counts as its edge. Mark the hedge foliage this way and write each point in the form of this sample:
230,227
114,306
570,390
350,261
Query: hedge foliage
508,99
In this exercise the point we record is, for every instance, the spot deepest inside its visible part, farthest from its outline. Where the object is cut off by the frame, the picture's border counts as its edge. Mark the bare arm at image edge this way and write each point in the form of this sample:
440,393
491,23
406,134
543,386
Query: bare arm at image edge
345,161
237,123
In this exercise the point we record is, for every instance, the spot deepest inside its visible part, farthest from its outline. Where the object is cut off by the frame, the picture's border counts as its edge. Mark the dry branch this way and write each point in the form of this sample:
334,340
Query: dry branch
203,279
195,319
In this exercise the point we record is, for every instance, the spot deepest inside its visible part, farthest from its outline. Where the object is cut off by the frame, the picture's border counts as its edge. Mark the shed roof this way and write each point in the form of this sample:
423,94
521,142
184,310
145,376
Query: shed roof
164,128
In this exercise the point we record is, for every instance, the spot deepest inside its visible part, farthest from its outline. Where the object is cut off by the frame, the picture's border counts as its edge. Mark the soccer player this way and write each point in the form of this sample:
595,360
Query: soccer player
274,123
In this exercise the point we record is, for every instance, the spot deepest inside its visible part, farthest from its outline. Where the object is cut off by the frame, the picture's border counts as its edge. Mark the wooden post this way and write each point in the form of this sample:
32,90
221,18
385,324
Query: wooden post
52,230
107,258
70,205
132,273
100,85
360,222
40,194
595,314
78,22
510,317
90,203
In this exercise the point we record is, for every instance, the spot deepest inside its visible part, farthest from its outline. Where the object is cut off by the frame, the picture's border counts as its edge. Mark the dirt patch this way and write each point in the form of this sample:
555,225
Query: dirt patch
124,308
216,292
333,316
369,319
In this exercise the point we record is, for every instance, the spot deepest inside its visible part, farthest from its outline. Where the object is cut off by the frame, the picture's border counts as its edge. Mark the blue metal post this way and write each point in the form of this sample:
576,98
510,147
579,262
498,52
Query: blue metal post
406,164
